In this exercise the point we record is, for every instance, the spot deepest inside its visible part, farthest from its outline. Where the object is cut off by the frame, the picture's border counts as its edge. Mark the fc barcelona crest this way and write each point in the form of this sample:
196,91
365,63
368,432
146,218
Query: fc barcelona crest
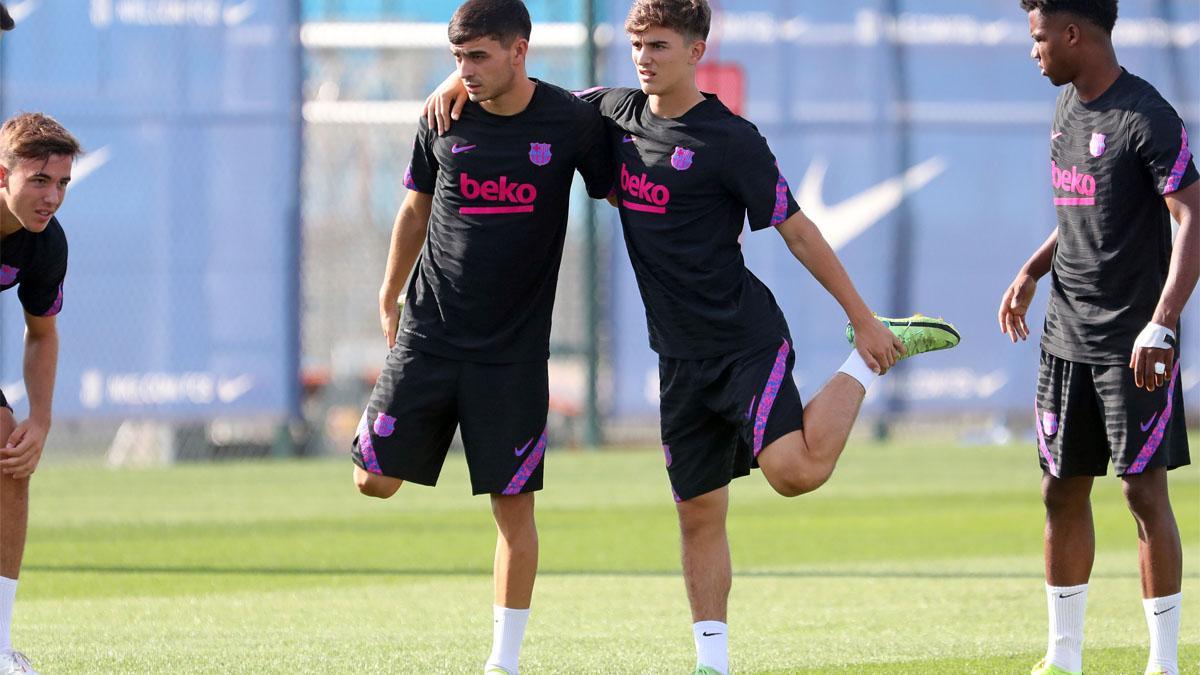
384,425
682,159
1049,423
539,153
1097,146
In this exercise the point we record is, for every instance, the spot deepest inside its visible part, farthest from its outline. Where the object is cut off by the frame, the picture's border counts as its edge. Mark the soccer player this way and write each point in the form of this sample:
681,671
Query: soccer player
690,172
36,154
1108,385
484,223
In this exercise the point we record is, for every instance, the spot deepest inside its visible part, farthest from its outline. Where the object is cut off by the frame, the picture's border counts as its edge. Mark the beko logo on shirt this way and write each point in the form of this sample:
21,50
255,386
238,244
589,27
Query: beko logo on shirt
640,187
521,195
1070,180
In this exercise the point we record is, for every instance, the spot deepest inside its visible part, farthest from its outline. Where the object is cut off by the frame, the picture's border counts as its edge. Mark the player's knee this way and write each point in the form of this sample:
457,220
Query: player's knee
514,517
1064,496
796,482
1058,501
1146,502
8,423
699,520
373,485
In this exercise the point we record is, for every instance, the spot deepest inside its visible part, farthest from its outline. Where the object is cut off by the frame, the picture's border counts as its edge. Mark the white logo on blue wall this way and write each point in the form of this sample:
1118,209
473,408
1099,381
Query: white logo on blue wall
846,220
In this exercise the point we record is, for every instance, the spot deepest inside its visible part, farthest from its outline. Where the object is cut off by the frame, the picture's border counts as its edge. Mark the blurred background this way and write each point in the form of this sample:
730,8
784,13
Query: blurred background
229,224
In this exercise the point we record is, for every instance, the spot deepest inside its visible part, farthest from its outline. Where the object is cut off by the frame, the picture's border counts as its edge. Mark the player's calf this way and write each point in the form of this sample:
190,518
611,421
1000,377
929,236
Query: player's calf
374,485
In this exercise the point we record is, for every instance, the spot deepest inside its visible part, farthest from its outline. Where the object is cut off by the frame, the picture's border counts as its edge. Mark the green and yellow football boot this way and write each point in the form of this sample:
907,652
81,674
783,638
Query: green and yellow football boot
918,332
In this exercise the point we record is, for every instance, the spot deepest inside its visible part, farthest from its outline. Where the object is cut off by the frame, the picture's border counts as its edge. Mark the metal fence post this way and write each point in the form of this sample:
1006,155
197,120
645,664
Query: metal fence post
591,432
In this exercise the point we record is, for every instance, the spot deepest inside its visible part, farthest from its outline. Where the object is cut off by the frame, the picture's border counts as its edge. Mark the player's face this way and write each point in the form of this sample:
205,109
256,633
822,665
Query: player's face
35,188
1052,37
488,69
664,59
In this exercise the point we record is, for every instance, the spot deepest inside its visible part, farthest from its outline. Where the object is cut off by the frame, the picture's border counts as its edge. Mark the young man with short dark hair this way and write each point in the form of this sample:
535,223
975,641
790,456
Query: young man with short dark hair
36,154
482,231
1120,168
690,173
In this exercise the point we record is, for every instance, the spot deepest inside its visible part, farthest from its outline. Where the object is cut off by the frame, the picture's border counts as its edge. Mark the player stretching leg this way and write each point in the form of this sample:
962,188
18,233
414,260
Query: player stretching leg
36,154
690,173
483,223
1108,386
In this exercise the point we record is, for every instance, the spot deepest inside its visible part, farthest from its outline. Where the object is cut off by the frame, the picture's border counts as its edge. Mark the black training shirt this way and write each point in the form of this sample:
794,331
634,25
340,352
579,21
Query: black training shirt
36,263
685,187
484,284
1112,160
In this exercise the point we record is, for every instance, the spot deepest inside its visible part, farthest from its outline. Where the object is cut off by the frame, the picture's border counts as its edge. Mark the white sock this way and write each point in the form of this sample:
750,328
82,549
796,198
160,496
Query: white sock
1162,616
508,630
857,368
712,645
8,593
1066,604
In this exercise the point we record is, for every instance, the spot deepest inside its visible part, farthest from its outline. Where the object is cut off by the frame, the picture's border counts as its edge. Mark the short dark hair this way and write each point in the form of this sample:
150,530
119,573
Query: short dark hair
1102,13
6,22
688,17
501,20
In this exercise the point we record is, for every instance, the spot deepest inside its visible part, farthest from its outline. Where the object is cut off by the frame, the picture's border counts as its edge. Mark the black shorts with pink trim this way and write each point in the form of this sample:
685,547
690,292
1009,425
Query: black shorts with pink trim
1088,414
420,399
718,414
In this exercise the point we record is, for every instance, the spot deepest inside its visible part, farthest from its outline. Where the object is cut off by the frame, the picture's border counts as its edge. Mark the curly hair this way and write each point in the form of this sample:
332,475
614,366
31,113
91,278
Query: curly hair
689,17
1102,13
35,136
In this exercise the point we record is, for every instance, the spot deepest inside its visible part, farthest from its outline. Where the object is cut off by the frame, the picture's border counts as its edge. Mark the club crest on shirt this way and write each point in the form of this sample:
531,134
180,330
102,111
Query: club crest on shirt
1097,146
681,160
539,153
1049,423
8,274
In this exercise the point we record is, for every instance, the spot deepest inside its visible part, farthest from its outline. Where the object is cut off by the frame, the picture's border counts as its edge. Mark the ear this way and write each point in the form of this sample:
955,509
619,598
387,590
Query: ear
1073,34
697,51
520,51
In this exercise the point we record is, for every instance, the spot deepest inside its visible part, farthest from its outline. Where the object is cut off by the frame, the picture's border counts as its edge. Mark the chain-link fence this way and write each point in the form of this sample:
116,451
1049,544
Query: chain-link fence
363,94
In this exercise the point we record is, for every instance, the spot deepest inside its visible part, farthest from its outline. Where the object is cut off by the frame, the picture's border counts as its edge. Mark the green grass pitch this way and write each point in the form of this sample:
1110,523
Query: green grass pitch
915,558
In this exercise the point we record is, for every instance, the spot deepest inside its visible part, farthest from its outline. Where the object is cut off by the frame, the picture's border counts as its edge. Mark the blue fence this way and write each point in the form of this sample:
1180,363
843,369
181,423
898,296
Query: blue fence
181,295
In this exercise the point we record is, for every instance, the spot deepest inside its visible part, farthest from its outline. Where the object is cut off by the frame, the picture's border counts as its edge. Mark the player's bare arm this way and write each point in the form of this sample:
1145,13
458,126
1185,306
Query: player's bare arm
1181,281
23,448
879,347
408,236
1019,295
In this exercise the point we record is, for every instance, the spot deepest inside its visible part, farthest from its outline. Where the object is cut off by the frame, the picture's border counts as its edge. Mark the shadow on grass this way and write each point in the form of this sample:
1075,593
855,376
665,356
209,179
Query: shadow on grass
201,570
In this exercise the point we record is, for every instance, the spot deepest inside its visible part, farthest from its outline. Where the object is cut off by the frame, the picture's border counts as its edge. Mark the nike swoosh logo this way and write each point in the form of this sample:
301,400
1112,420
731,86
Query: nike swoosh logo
1055,135
19,11
627,139
1147,425
520,452
456,148
237,14
709,634
1165,610
89,164
1068,595
840,223
231,390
